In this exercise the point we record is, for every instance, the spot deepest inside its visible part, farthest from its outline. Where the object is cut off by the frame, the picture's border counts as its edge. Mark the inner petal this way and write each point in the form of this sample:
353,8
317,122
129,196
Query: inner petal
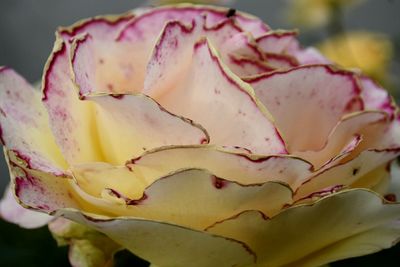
307,102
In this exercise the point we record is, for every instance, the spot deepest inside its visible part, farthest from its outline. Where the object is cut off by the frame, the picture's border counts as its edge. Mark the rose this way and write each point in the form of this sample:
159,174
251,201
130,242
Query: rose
358,49
198,136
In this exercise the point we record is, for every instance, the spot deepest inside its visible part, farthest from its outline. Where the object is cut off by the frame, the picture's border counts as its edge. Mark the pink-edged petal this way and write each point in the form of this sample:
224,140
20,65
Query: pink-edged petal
70,118
244,66
196,198
279,42
108,67
142,125
100,27
376,97
174,50
39,190
349,172
303,97
237,167
345,137
281,61
24,126
333,219
165,244
151,22
12,211
209,88
310,55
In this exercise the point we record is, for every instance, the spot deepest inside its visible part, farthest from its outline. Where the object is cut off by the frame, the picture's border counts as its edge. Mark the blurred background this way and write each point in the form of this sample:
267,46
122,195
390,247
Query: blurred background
362,34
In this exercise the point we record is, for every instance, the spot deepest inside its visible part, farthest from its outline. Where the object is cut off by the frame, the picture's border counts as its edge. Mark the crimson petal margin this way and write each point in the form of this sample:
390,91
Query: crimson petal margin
100,27
152,21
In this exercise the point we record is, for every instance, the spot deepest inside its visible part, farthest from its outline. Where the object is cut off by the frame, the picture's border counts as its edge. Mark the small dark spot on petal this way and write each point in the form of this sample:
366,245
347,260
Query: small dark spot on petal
231,12
390,197
355,171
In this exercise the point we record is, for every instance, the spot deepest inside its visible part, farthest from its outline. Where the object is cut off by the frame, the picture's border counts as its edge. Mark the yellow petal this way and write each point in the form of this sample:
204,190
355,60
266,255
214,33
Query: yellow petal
166,244
301,231
235,166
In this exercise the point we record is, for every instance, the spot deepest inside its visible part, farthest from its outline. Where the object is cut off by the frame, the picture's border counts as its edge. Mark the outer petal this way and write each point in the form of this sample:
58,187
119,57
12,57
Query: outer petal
169,245
38,190
105,28
142,125
346,215
195,198
208,88
13,212
374,240
151,22
375,97
24,124
301,98
71,119
238,167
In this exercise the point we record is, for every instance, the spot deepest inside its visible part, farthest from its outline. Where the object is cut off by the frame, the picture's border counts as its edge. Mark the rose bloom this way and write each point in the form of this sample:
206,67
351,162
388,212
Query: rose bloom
310,14
198,136
367,51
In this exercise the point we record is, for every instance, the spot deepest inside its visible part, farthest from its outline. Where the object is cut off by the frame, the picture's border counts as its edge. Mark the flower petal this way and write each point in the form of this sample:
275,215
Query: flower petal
151,22
350,126
166,244
279,42
142,125
196,198
209,88
108,67
94,178
371,241
346,215
12,211
348,172
237,167
24,124
301,98
105,28
71,119
375,97
39,190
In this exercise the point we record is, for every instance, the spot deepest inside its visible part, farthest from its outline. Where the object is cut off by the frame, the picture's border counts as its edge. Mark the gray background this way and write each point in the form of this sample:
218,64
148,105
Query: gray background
27,27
